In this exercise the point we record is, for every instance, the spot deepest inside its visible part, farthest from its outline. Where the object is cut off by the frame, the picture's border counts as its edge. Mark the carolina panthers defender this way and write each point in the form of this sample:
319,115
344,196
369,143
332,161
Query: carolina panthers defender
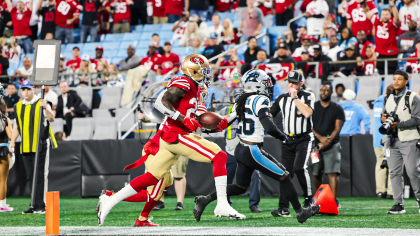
253,114
179,104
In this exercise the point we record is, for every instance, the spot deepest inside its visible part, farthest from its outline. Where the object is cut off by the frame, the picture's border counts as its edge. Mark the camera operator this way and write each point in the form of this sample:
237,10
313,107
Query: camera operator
401,118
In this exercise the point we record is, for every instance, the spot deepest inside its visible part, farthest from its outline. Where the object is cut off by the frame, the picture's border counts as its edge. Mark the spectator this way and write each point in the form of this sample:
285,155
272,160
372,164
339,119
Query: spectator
305,57
284,11
347,68
368,67
13,50
159,16
342,12
24,71
66,70
169,62
413,65
410,11
306,45
199,7
362,43
382,191
253,48
407,41
355,113
338,95
48,17
11,99
252,21
300,34
288,38
213,49
132,60
74,64
317,9
229,59
334,50
386,32
152,59
50,96
156,39
66,13
283,56
102,78
176,10
228,35
104,13
191,32
324,66
216,27
20,19
357,20
196,47
115,79
99,52
331,30
90,20
122,15
49,36
67,105
6,24
140,15
347,38
266,7
222,6
262,59
84,72
180,26
60,136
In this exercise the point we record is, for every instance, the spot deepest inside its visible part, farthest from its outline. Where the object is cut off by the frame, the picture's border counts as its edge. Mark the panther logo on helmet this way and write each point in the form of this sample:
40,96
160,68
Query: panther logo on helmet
197,60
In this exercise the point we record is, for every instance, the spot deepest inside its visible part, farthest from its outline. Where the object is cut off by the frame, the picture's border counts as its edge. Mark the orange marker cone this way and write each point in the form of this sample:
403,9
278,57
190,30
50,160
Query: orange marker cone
52,220
325,198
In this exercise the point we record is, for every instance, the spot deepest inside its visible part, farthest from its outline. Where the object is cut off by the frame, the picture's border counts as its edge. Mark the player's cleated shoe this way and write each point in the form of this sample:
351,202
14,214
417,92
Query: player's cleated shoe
200,204
306,213
179,206
225,210
397,209
40,211
103,208
4,209
381,195
255,209
29,211
281,212
337,202
315,209
309,201
160,205
144,223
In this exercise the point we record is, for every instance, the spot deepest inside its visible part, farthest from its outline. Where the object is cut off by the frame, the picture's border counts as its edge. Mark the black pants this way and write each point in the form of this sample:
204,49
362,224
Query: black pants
252,158
29,162
392,65
282,19
295,157
34,30
69,121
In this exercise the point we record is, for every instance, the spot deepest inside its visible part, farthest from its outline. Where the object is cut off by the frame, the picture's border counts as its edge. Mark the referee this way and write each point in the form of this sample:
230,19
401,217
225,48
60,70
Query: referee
297,107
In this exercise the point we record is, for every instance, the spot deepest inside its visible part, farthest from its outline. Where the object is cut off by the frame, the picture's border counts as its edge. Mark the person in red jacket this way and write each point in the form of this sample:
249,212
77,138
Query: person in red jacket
176,9
159,16
413,65
284,11
20,19
357,20
66,13
122,15
168,62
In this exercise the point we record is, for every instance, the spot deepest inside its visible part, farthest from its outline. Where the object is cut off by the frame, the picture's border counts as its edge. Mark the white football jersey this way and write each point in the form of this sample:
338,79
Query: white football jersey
251,128
408,13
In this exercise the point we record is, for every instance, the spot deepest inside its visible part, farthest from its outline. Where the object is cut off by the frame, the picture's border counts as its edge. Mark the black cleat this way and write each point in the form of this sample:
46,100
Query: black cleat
281,212
306,213
397,209
255,209
381,195
29,211
200,204
309,201
179,206
160,205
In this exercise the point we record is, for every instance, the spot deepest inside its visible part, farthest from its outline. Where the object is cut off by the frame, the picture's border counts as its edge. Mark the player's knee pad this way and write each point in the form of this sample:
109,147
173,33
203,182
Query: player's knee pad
287,179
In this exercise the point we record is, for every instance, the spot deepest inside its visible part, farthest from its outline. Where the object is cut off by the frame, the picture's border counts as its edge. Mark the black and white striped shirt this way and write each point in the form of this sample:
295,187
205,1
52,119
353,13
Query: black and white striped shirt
294,122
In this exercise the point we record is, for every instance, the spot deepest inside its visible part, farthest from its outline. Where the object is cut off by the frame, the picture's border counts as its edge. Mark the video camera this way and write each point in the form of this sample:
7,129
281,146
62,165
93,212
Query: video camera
386,126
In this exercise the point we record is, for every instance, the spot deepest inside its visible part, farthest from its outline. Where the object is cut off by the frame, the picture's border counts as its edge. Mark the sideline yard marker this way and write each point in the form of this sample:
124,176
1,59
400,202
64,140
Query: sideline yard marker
52,221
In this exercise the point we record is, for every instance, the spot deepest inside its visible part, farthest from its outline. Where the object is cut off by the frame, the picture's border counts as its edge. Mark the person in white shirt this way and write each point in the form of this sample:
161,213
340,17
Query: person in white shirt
13,50
180,27
410,11
24,72
317,9
306,45
334,49
50,96
192,32
215,28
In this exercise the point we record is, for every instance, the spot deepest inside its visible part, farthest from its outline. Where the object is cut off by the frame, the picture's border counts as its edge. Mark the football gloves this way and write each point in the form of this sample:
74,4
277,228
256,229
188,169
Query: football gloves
191,124
222,125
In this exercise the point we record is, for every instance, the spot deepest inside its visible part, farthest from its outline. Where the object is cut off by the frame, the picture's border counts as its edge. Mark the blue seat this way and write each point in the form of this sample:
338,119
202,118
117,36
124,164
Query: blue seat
142,52
131,37
176,43
113,38
142,45
146,36
90,47
116,60
70,46
167,27
32,56
63,47
179,50
138,28
231,16
68,55
13,66
166,35
124,45
111,45
121,53
273,33
236,23
110,53
152,28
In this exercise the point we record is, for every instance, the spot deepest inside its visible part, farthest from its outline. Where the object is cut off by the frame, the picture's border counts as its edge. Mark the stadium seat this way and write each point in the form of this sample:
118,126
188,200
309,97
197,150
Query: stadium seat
82,129
166,35
63,47
415,82
110,53
179,50
98,113
13,65
138,28
152,28
147,36
111,46
124,45
349,83
70,46
130,37
143,44
88,48
141,52
11,71
56,90
110,98
175,43
86,94
273,33
231,16
113,38
57,125
236,23
315,85
122,53
283,85
68,55
127,122
167,27
387,81
369,88
105,128
32,56
116,60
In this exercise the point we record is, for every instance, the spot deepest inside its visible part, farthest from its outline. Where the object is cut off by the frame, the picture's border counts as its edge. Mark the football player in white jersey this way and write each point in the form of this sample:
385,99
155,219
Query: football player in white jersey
252,110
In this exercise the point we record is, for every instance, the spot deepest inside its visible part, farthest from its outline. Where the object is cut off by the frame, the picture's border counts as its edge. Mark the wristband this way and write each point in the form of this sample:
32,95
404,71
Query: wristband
176,115
296,97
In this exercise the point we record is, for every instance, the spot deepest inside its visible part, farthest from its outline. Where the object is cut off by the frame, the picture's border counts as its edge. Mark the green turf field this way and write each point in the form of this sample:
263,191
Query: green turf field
355,213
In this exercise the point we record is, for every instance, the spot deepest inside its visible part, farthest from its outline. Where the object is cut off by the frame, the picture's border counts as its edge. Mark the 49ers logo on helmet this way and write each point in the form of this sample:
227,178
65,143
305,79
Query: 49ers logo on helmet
197,60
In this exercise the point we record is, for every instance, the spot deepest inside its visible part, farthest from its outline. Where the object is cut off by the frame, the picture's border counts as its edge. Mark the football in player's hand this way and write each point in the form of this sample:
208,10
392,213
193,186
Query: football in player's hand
210,120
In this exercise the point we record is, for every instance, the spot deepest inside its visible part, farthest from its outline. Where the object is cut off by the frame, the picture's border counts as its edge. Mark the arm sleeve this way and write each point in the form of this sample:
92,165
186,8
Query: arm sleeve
415,114
268,124
275,108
